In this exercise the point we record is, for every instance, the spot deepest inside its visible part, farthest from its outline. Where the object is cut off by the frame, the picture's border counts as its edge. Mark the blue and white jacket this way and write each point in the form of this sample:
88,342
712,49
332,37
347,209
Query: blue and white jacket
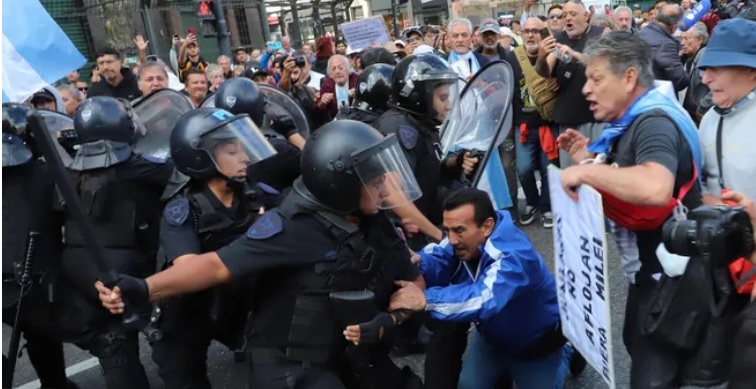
511,296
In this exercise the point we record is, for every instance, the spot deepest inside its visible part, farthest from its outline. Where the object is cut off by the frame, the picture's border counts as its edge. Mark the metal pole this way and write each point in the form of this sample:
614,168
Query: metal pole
294,31
335,20
395,8
224,43
150,31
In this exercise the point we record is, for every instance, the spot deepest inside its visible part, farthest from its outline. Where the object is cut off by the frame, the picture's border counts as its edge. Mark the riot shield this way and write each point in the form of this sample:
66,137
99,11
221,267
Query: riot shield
483,118
286,103
209,101
57,123
157,114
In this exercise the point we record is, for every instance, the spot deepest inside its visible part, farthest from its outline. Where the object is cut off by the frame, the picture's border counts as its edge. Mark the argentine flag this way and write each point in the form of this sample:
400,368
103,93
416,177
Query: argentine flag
36,52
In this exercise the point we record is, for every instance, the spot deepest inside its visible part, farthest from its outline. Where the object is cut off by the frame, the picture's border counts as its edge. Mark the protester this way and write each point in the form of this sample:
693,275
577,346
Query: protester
189,57
71,96
696,100
115,81
337,90
665,48
195,86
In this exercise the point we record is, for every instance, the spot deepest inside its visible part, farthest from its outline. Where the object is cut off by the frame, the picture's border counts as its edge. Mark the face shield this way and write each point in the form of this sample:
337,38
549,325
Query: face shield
15,152
386,175
235,145
442,92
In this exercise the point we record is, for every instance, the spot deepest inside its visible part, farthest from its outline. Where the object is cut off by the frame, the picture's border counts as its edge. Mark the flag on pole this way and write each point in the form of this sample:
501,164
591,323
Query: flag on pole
36,51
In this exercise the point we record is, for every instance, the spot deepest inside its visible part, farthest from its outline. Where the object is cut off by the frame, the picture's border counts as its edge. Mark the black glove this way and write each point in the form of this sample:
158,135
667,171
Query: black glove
370,332
134,291
284,125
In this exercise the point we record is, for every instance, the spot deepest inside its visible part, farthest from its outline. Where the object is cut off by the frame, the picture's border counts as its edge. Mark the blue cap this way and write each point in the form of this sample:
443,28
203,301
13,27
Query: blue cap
733,43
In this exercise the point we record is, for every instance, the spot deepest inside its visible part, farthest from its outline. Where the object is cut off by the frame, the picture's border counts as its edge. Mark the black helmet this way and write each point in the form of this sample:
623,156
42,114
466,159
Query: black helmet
18,142
415,78
199,132
241,96
104,118
345,155
374,88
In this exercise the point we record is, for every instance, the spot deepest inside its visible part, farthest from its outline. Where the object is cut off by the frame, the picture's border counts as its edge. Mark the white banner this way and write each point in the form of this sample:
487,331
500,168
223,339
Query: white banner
582,272
364,33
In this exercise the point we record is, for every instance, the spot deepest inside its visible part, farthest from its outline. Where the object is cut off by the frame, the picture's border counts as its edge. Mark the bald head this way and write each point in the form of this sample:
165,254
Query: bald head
531,34
575,19
669,15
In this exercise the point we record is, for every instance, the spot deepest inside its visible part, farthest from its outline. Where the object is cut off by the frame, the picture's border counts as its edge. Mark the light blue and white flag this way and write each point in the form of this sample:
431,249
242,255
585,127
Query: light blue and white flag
36,51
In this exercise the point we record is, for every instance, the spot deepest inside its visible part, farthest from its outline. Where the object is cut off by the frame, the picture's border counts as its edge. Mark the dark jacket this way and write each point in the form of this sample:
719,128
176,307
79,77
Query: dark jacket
695,102
499,49
126,89
329,86
667,64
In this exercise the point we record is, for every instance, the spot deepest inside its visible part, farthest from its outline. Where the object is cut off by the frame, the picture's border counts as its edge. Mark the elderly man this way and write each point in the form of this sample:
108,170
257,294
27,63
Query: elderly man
462,59
225,63
487,272
665,48
623,19
729,70
337,90
693,46
71,96
649,140
490,46
559,57
152,77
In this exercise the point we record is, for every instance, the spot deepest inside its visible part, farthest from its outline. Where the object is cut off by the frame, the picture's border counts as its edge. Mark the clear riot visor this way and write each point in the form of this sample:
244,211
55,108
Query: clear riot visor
442,95
386,175
235,145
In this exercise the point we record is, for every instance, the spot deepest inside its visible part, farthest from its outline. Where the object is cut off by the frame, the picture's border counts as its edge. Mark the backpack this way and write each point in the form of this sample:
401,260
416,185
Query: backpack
545,99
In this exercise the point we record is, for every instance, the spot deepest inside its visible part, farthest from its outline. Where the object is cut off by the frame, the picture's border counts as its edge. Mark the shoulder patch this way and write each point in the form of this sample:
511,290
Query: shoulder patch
176,211
153,159
408,137
267,226
268,189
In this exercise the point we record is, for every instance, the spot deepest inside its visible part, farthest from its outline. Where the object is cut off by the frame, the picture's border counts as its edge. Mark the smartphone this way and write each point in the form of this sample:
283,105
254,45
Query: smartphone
152,58
545,33
191,30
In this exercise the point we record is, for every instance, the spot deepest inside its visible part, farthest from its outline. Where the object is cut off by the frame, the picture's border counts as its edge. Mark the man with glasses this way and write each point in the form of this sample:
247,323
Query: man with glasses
555,23
114,81
83,88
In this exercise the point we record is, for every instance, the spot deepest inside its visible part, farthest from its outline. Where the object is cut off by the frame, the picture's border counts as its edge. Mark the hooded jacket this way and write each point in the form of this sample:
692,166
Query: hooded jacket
510,286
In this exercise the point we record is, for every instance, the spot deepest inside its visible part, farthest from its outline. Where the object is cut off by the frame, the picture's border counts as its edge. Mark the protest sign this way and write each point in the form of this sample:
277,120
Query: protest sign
365,33
582,272
315,78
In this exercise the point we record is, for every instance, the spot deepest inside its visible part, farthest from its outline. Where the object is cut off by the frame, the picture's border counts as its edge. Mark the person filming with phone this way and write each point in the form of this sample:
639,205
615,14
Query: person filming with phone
189,56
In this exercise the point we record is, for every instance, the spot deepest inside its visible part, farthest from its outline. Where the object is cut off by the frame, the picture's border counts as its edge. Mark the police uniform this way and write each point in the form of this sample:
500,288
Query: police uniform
196,222
120,193
28,191
373,92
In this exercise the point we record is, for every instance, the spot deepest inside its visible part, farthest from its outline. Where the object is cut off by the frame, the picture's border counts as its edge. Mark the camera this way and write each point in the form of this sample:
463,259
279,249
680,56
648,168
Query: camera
300,61
720,232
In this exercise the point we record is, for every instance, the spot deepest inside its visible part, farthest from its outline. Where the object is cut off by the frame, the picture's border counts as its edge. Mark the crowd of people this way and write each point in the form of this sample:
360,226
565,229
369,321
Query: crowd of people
317,248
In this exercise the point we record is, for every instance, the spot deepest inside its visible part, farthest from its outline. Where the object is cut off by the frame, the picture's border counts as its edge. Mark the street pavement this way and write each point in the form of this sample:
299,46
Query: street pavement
225,373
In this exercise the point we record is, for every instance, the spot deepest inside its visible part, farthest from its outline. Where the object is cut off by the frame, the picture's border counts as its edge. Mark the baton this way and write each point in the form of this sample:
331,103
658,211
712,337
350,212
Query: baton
15,339
58,171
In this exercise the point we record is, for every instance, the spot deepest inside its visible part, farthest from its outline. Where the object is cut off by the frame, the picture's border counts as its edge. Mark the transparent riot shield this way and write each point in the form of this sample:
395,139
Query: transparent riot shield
285,103
61,128
156,115
483,118
209,101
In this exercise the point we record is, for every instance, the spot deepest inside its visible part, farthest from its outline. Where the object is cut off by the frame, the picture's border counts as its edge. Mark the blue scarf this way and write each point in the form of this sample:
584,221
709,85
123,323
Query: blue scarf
652,99
472,62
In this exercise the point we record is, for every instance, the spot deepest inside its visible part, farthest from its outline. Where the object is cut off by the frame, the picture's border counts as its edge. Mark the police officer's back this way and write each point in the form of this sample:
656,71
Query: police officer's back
372,95
120,194
28,191
243,96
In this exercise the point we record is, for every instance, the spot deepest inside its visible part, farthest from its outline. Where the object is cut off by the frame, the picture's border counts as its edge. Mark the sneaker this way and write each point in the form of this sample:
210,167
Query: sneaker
528,215
547,219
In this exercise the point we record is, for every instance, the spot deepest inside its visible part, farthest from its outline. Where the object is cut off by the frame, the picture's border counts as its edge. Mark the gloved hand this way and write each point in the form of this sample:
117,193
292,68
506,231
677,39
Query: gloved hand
127,288
280,121
372,331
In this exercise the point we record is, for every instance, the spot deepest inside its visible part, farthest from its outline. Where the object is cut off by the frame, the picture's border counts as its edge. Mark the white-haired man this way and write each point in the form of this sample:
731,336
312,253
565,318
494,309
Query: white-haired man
337,90
462,59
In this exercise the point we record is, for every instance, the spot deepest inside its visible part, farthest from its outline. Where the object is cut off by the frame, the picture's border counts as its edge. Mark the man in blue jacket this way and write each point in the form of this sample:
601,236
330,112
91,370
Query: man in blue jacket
487,272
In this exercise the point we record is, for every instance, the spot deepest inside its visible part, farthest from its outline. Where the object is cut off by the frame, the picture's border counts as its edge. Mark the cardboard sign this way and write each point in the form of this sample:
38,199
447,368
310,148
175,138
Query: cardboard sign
365,33
582,272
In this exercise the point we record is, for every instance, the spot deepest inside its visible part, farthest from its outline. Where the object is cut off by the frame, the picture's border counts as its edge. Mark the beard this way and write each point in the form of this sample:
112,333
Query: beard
490,46
531,49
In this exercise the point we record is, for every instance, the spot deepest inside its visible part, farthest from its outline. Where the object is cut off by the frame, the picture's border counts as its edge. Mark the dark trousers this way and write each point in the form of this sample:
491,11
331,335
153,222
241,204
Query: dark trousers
443,360
284,374
181,356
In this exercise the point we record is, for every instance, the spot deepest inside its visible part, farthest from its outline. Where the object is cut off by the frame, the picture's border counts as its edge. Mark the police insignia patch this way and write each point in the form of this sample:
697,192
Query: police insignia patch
267,226
268,189
177,211
408,137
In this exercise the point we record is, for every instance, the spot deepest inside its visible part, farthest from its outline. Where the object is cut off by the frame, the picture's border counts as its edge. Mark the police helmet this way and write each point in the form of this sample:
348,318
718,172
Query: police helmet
415,79
104,118
374,88
241,96
199,138
345,156
18,143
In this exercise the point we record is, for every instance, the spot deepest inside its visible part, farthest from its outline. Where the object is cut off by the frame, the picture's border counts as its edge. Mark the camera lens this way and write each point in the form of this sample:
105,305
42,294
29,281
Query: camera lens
679,237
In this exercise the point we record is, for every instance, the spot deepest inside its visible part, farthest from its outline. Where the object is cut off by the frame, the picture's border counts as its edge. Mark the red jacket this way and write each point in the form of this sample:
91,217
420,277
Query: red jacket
329,86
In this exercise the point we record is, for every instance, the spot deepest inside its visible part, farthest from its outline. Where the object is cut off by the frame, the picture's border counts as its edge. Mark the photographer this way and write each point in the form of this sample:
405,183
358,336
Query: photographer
295,74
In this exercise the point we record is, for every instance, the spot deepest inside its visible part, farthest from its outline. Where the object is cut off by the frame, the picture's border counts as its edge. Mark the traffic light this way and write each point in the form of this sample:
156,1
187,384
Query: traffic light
207,18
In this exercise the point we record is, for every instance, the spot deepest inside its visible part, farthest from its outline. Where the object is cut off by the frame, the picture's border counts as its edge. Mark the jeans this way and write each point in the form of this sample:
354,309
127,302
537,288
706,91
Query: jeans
484,365
529,157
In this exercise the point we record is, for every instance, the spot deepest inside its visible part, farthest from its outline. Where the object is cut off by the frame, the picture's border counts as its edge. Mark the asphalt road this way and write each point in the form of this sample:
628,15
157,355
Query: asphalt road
225,373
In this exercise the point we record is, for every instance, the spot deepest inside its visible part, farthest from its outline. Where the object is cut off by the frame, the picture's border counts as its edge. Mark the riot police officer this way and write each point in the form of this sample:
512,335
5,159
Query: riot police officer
242,96
120,193
328,235
217,205
28,191
372,95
